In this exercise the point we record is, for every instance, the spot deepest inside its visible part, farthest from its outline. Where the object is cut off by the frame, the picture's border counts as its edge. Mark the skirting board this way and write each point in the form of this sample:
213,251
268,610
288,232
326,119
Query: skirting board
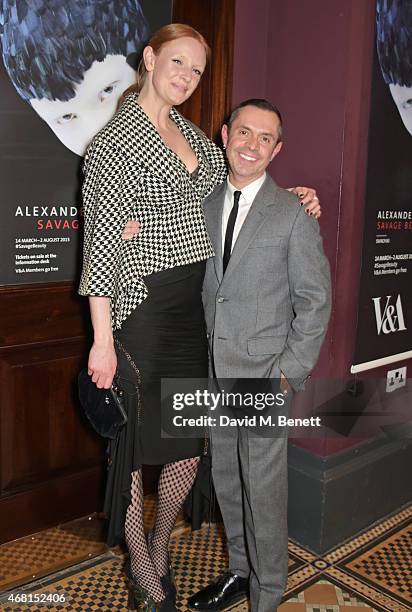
333,498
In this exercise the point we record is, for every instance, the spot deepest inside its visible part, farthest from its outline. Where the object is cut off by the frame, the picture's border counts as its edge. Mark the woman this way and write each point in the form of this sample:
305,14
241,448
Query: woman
151,164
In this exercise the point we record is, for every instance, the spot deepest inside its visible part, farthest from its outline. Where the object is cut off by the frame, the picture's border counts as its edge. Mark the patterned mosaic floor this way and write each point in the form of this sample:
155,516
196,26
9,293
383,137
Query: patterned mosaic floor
372,572
43,553
38,555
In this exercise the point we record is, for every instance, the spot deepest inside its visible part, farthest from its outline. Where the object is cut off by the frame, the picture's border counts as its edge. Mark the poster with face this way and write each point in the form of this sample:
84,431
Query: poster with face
384,333
394,49
64,65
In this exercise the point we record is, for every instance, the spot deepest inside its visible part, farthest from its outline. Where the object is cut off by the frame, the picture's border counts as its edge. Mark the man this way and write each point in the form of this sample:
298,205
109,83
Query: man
72,59
267,302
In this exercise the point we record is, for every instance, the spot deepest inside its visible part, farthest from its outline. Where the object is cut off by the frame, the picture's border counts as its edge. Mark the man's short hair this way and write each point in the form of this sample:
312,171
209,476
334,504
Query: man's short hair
394,40
48,45
258,103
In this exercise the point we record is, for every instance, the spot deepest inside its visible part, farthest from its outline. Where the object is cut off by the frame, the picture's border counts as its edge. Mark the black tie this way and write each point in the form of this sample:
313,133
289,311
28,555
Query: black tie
229,229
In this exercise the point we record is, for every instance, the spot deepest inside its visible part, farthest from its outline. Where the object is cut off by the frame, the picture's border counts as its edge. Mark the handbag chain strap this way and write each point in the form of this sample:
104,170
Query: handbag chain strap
129,359
136,371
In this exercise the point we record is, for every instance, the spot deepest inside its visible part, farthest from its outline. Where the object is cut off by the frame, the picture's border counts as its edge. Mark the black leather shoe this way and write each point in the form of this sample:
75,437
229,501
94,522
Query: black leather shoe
227,589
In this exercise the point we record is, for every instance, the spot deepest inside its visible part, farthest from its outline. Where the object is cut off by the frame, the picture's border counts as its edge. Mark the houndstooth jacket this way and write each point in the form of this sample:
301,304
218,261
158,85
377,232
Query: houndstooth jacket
131,174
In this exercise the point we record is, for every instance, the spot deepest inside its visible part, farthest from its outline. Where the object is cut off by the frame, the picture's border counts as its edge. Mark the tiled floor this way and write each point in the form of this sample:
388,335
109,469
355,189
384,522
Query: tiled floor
38,555
44,553
370,572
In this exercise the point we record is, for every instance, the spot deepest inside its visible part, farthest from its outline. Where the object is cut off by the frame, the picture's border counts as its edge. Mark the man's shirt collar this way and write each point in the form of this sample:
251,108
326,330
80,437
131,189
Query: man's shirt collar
249,192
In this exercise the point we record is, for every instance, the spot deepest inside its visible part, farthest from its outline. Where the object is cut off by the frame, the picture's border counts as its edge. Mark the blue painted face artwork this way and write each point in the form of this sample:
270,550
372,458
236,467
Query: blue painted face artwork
72,59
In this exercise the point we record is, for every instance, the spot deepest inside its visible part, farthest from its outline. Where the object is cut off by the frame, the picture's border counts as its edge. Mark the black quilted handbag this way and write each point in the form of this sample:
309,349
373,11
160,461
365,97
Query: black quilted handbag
103,407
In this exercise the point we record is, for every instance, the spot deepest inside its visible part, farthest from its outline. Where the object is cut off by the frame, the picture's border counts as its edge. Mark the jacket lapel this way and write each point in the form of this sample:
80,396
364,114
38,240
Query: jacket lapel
266,196
197,143
213,212
146,145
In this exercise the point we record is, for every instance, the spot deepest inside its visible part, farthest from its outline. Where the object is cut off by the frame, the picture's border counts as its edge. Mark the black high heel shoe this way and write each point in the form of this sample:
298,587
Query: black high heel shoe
168,580
139,599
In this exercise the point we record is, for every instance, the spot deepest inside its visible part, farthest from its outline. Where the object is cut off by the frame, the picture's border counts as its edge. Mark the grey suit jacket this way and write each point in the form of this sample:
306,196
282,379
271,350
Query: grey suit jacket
271,309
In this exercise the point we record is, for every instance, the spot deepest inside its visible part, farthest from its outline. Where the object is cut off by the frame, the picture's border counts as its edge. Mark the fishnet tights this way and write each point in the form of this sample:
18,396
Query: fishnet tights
142,566
175,482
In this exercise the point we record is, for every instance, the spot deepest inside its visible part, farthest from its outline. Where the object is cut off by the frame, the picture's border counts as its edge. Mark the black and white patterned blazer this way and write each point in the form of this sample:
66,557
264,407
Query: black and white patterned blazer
131,174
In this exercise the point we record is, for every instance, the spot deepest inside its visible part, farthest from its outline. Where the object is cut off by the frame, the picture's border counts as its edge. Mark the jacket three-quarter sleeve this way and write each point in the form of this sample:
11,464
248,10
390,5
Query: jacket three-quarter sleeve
104,220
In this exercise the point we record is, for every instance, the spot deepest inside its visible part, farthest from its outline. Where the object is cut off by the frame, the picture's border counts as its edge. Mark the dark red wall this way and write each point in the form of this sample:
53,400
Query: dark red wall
313,59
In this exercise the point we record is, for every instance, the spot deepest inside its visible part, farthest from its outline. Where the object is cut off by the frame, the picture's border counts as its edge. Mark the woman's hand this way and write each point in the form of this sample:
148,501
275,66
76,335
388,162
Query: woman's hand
102,364
309,199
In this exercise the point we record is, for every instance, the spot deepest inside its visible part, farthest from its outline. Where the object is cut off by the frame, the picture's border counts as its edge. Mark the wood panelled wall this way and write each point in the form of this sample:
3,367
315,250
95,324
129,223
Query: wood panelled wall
51,463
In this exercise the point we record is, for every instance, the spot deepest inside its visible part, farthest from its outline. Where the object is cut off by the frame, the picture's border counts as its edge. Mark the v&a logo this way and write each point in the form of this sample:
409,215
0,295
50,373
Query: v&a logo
391,319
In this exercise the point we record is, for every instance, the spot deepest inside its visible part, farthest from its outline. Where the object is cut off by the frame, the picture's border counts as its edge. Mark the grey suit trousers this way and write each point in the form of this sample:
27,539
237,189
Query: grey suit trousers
250,478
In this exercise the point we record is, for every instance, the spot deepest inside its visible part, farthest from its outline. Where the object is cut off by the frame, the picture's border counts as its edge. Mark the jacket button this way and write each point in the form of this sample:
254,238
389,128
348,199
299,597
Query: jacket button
208,335
220,299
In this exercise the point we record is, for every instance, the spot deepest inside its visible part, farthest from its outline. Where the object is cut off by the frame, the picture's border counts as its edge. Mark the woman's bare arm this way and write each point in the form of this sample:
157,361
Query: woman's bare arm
102,358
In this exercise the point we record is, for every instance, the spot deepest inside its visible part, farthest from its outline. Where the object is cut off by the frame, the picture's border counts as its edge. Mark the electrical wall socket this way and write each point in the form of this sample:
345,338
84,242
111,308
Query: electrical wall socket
395,379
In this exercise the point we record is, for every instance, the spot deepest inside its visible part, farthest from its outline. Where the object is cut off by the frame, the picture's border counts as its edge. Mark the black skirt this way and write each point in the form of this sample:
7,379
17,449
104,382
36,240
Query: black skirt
165,336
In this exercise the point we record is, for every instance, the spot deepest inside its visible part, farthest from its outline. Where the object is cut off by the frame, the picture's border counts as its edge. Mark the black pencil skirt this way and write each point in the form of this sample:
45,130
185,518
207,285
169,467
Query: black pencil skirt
165,336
